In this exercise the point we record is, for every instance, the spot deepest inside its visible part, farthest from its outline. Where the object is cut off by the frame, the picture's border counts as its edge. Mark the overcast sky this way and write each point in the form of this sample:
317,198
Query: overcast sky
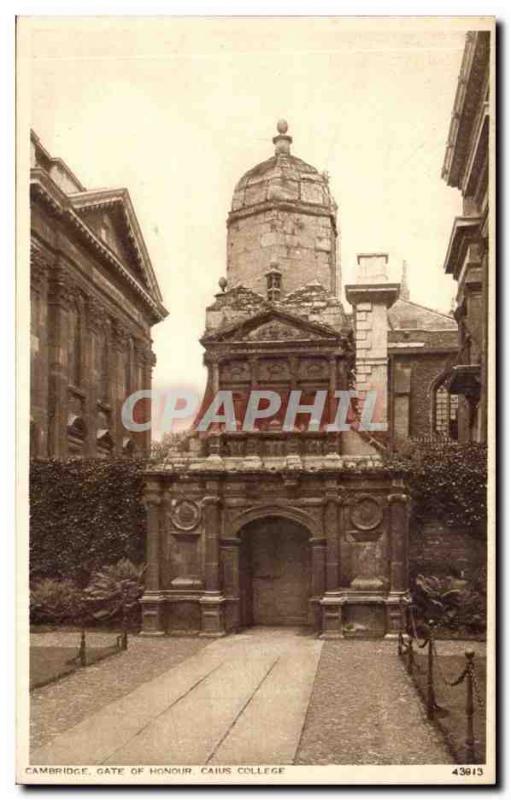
177,110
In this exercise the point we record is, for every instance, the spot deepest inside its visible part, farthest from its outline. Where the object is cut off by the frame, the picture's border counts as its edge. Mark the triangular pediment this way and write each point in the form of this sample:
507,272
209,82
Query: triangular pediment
110,215
273,326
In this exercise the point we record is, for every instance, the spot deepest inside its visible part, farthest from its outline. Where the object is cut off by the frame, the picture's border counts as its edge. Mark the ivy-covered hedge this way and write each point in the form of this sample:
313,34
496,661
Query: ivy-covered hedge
447,481
84,513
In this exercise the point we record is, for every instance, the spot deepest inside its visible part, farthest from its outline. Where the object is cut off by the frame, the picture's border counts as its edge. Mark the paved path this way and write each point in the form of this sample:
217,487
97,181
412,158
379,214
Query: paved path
260,698
241,700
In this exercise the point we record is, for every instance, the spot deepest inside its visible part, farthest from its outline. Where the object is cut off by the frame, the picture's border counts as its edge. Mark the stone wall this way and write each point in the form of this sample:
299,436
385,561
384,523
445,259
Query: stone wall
436,549
302,244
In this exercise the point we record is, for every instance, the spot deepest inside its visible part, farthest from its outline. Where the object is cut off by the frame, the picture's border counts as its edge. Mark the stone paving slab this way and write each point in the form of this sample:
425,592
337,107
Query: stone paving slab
260,697
60,706
269,730
187,714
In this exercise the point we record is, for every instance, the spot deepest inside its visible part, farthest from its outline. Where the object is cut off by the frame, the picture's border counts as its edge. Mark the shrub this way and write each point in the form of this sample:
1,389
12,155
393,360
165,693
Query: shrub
451,602
84,513
114,591
56,601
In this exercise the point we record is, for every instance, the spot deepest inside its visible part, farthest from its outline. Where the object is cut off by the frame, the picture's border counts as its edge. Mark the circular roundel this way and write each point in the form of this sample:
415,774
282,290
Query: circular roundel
185,515
366,514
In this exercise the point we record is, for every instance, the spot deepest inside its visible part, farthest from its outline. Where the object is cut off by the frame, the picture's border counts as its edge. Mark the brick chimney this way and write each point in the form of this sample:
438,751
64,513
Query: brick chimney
370,297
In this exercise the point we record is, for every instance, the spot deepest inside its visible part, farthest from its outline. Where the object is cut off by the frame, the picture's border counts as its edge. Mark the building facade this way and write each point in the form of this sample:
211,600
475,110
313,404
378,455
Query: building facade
94,297
466,167
422,348
274,526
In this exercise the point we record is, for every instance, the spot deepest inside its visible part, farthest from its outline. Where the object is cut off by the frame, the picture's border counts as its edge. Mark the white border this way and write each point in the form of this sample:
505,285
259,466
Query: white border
150,7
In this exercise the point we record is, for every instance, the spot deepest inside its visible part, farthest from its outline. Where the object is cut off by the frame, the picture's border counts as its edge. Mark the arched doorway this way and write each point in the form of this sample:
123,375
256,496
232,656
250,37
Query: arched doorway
275,573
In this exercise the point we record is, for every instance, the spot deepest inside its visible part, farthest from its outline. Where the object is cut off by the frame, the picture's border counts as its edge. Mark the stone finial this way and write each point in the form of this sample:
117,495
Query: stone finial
223,283
282,142
404,292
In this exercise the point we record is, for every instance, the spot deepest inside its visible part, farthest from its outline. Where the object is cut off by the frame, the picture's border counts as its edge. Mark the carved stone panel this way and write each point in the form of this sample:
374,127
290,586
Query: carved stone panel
185,514
313,369
274,369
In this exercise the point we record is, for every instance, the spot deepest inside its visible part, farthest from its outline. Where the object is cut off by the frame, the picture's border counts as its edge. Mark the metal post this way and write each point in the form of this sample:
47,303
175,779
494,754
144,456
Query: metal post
82,652
470,743
431,689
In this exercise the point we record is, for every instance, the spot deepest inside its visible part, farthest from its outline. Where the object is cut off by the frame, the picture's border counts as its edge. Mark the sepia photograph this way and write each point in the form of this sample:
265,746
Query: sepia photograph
256,400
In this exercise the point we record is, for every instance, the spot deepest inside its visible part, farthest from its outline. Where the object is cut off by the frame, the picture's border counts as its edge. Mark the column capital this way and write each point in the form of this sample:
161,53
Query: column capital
152,495
398,497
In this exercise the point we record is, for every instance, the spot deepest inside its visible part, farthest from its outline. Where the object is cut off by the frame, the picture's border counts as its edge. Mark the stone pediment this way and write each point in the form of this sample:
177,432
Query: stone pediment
109,213
273,326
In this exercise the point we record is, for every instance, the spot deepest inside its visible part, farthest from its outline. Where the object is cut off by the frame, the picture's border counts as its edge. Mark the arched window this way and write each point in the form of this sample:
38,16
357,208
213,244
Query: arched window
445,412
273,282
74,345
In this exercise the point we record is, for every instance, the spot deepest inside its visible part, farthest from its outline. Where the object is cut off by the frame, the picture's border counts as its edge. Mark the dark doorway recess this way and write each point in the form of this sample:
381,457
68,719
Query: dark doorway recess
275,573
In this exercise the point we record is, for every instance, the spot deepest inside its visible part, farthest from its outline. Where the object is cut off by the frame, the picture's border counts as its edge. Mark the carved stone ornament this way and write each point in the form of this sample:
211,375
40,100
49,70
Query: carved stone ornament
185,515
276,331
366,513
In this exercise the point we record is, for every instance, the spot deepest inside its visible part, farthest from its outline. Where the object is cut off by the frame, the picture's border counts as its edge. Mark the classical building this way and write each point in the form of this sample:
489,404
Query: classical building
466,167
269,526
94,297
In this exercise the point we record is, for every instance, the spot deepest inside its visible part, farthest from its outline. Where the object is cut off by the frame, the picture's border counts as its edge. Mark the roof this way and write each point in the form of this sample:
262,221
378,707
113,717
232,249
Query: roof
54,183
282,178
406,315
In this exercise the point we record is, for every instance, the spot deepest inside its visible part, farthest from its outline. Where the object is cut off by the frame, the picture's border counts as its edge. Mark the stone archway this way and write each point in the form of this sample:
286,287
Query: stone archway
275,573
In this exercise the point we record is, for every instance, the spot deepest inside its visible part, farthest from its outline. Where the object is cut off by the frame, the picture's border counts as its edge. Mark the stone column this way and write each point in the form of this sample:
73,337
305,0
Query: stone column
318,567
331,526
39,268
398,542
93,325
118,389
152,601
59,297
398,510
332,386
212,621
331,603
229,552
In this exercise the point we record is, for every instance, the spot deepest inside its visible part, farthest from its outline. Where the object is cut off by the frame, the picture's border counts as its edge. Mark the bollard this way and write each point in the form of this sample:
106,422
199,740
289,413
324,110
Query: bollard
431,689
82,652
400,644
470,743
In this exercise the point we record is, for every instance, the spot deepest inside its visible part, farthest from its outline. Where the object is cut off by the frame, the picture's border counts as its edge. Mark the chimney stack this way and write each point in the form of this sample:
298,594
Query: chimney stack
370,297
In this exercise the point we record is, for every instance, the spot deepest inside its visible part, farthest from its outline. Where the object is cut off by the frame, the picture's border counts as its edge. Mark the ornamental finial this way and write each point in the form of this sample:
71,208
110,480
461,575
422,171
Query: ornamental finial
282,142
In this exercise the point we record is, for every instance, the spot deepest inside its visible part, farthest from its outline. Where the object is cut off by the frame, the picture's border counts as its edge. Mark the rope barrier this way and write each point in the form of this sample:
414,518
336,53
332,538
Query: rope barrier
467,674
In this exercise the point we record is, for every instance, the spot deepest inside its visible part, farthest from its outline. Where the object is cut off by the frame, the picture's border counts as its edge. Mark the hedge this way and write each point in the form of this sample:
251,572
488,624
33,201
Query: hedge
447,480
84,513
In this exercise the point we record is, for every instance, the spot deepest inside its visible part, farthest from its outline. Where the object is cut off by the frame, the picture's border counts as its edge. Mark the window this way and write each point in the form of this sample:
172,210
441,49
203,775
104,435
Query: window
273,283
445,413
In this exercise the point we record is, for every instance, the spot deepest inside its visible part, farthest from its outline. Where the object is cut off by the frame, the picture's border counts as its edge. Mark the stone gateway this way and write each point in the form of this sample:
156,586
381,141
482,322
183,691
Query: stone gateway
305,527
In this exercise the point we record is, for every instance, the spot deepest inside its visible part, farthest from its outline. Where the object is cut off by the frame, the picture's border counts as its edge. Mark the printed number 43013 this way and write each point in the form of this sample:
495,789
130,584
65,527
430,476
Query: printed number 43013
468,771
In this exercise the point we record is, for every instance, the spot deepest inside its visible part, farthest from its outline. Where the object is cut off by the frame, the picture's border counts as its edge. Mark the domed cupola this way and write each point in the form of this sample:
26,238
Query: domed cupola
282,219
